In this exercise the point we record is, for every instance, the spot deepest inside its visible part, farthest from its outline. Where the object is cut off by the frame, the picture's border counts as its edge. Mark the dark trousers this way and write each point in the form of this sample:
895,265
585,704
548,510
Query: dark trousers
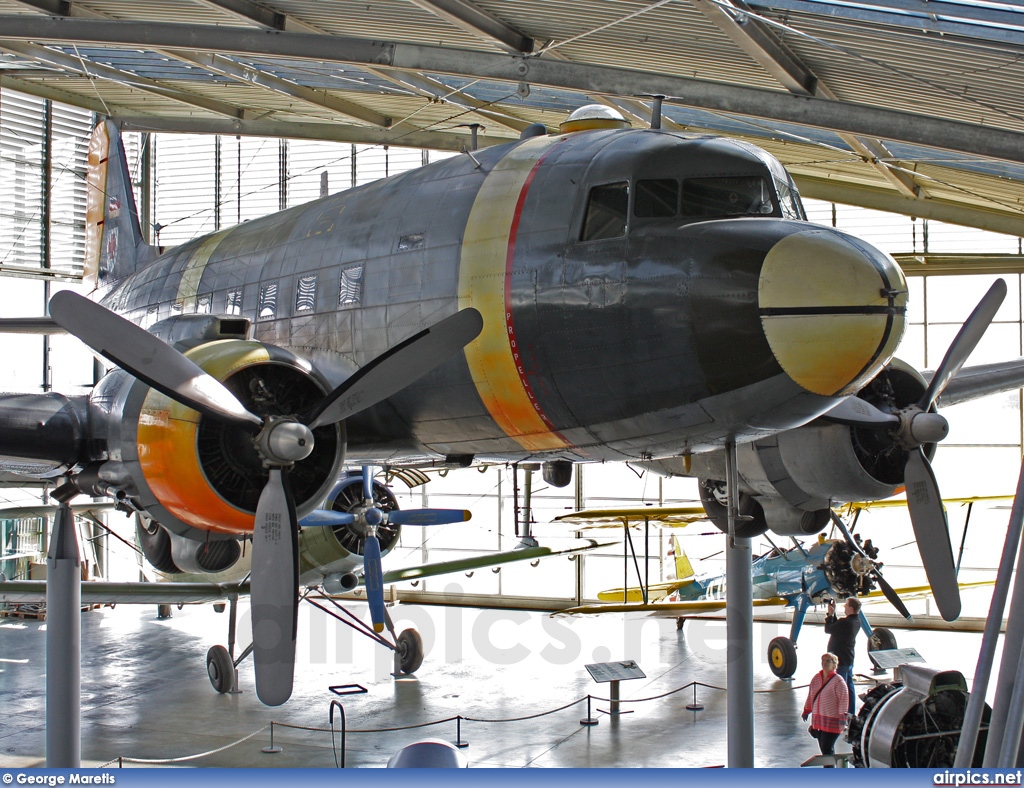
827,743
846,671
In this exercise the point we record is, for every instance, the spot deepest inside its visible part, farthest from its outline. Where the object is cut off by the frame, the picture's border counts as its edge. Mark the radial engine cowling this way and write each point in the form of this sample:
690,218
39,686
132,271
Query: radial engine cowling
200,476
789,481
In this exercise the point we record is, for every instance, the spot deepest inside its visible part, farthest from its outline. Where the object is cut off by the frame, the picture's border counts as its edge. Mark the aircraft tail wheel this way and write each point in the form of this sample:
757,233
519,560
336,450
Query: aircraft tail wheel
680,622
163,611
220,668
782,657
881,639
410,650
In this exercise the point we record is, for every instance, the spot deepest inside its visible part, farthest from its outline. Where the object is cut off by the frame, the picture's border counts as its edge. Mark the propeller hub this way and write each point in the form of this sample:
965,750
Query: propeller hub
373,516
928,427
284,441
861,564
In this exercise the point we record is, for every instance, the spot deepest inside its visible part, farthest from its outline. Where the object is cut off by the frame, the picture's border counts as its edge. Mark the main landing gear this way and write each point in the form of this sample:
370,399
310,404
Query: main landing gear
407,645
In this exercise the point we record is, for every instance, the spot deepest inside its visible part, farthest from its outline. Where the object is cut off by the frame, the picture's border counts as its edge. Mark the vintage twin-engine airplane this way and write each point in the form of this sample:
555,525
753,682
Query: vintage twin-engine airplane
599,294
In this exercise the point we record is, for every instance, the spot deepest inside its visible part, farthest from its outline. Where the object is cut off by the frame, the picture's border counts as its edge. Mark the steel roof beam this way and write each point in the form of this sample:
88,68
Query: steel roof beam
994,219
251,75
758,41
331,132
1003,26
469,17
813,112
253,12
91,68
47,91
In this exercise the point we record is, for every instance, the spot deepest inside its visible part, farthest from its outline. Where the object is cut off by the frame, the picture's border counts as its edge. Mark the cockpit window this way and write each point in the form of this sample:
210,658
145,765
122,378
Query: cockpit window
727,196
789,198
607,210
656,199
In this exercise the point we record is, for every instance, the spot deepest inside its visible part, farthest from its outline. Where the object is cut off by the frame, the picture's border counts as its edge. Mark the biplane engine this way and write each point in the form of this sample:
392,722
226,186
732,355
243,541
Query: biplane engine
849,572
200,476
789,481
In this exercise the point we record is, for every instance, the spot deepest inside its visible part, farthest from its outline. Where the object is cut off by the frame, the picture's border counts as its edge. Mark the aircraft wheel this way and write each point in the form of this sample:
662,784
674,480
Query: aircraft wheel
680,622
220,668
714,499
163,611
881,639
782,657
410,650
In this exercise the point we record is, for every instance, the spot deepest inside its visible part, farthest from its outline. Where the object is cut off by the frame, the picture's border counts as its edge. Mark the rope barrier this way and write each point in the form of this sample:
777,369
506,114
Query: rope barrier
457,718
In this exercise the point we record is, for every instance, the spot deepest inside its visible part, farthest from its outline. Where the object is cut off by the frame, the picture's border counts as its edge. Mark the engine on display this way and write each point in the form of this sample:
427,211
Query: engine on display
915,723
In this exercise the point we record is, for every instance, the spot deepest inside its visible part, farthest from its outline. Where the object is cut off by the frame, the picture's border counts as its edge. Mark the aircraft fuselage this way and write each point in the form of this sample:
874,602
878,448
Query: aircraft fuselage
644,295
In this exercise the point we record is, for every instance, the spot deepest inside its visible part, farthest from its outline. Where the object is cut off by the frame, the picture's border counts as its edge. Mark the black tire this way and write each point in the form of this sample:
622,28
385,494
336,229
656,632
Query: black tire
410,650
782,657
711,498
163,611
881,639
680,622
220,669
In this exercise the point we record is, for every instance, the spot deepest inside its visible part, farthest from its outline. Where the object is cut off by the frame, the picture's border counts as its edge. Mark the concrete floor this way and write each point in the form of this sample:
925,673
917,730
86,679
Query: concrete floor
517,680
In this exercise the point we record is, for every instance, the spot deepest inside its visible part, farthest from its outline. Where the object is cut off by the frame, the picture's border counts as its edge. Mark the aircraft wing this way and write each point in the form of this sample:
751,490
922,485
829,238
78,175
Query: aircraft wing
655,591
890,503
667,609
981,380
616,518
487,560
99,592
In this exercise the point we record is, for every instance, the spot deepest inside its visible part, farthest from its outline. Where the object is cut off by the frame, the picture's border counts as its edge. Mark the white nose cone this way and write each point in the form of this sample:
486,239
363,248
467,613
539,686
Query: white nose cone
833,309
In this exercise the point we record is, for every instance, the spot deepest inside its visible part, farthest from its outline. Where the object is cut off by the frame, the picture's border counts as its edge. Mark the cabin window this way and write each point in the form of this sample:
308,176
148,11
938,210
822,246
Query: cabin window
350,290
266,307
656,199
789,199
305,294
233,305
204,304
607,209
727,196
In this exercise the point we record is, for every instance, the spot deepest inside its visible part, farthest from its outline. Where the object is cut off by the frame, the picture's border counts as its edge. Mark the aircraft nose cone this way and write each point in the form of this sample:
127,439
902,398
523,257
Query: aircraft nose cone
833,309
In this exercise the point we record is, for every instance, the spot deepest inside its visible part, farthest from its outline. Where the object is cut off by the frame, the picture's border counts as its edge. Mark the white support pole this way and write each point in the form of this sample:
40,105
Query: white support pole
739,622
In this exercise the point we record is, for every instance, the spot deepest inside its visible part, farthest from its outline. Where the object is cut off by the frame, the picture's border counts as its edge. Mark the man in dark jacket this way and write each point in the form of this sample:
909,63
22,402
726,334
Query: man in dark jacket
842,639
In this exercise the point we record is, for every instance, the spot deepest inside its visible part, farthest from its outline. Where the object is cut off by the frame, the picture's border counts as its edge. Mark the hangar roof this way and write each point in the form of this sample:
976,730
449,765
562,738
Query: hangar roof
902,105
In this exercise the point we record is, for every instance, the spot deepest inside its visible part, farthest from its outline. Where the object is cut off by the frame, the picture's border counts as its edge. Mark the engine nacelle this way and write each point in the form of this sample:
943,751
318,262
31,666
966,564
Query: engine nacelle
793,477
329,554
198,475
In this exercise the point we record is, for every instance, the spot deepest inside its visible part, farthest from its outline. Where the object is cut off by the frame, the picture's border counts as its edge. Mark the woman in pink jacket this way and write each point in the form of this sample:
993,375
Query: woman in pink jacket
827,703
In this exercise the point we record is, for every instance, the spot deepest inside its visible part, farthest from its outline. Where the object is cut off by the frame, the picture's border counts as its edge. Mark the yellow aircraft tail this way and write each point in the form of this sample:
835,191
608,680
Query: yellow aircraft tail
657,591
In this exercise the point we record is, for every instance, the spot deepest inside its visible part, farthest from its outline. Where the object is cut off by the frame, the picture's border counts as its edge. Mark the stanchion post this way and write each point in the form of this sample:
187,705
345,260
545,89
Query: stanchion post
589,720
458,734
270,748
694,706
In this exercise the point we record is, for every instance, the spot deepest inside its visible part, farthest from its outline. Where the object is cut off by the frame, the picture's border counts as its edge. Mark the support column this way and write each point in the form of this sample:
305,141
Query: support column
63,645
739,622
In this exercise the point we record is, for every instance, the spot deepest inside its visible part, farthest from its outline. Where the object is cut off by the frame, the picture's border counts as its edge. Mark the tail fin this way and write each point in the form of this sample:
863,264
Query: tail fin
683,567
114,246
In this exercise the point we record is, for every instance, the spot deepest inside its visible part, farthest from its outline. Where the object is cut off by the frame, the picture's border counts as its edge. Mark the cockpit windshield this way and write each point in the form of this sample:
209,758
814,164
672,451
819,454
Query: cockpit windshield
744,195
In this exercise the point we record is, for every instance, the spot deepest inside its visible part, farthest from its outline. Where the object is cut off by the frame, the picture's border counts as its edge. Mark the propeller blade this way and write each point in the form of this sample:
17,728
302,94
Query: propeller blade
428,516
274,588
856,412
374,578
397,367
326,517
932,533
892,596
966,340
147,357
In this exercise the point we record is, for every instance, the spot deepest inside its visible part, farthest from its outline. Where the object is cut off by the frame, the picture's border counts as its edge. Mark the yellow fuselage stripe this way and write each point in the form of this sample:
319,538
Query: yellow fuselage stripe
188,286
485,276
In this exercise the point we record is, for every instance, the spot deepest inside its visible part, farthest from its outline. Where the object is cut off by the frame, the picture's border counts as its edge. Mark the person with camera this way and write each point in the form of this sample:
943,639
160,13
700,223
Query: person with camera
826,705
842,639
